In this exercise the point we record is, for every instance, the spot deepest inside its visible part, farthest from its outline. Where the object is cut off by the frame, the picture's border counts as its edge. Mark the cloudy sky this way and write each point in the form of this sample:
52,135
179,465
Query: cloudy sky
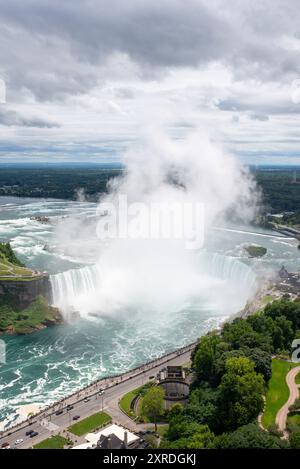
83,78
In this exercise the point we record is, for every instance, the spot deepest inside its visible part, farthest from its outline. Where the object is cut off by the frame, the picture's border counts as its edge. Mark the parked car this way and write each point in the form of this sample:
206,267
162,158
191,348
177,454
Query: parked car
86,399
19,441
29,432
33,434
76,417
70,407
59,412
5,446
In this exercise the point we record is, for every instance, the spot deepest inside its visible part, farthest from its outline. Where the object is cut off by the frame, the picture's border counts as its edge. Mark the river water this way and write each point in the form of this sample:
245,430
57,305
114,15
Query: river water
47,365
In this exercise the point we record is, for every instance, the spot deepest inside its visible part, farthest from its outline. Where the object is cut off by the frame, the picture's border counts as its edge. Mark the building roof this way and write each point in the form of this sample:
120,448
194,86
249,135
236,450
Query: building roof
110,442
112,429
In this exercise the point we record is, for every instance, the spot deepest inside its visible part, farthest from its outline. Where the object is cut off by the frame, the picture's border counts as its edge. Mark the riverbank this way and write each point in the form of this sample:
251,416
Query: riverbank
25,296
38,315
116,378
285,285
109,384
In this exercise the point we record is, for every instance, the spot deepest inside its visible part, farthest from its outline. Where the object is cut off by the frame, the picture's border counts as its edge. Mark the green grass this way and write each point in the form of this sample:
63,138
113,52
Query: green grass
10,266
9,269
278,391
267,299
38,313
293,422
90,424
55,442
297,379
126,400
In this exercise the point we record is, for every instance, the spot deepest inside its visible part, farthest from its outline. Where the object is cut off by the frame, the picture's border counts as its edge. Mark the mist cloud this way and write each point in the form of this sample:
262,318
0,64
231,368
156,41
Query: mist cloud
130,275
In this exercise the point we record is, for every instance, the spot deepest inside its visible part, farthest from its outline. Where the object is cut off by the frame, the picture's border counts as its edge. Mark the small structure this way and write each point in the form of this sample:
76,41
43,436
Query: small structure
173,381
172,372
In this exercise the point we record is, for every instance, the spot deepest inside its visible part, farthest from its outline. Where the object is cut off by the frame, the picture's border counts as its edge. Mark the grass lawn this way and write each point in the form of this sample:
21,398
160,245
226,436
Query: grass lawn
25,321
267,299
278,391
297,379
90,424
293,422
54,442
126,401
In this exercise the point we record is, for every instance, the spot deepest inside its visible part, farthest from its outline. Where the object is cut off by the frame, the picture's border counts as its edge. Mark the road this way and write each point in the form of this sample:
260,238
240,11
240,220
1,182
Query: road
294,393
48,423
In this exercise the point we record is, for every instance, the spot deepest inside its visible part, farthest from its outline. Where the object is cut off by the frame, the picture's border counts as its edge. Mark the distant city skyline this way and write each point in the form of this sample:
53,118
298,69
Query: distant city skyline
83,79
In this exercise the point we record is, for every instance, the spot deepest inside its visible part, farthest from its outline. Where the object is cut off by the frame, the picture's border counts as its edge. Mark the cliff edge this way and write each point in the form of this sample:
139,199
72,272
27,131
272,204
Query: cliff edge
25,296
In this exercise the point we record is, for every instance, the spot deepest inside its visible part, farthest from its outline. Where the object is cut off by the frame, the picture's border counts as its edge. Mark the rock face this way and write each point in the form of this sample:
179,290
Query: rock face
21,293
255,251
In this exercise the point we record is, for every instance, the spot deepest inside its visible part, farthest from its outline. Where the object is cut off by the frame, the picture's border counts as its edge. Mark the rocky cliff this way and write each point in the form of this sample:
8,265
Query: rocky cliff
21,293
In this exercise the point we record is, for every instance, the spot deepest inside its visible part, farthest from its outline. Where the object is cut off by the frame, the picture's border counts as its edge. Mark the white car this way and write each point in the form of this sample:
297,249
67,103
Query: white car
19,441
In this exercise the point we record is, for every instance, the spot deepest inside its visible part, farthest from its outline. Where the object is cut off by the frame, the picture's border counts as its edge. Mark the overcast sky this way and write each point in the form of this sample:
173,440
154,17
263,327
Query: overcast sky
83,77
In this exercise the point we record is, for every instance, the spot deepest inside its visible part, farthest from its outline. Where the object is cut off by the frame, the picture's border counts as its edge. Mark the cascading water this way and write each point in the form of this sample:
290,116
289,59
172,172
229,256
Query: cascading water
68,287
83,289
230,269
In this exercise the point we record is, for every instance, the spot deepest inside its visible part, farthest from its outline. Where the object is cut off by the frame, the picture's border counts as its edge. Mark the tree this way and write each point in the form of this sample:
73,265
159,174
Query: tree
175,411
262,361
283,334
202,406
201,438
153,404
185,433
289,309
204,359
295,440
248,436
240,393
261,323
240,334
296,406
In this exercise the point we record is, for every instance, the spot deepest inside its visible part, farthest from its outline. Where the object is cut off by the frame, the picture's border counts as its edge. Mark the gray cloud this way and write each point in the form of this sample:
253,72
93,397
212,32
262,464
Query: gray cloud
259,117
10,118
103,69
60,45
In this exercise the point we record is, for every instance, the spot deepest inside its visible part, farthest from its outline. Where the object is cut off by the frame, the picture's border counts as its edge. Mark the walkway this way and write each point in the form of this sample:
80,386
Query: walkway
282,414
88,401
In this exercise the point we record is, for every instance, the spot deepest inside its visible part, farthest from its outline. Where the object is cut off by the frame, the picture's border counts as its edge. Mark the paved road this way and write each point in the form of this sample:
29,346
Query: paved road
48,423
294,393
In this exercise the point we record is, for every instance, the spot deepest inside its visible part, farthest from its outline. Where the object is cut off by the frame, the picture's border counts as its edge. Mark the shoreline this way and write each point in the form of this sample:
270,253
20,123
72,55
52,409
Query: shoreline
106,382
110,381
63,402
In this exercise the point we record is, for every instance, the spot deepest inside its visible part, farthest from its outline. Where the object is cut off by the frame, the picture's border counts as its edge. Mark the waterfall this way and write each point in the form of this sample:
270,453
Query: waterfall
225,280
229,268
68,287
